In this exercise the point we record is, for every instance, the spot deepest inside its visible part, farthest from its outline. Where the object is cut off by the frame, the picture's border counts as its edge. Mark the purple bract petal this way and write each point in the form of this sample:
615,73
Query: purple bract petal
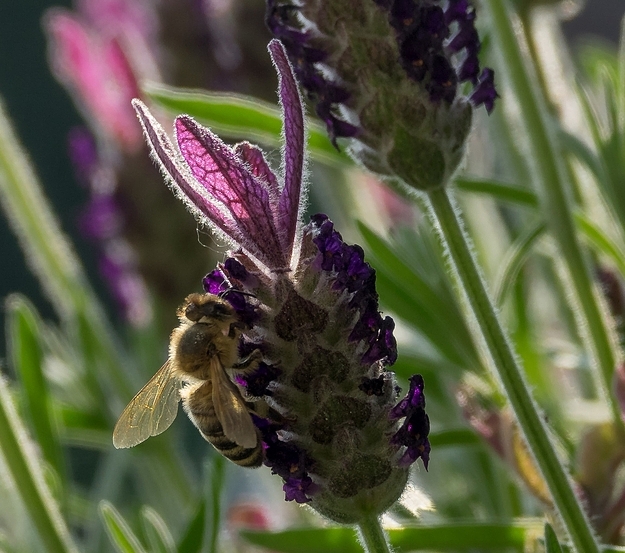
293,156
184,185
227,180
258,238
254,157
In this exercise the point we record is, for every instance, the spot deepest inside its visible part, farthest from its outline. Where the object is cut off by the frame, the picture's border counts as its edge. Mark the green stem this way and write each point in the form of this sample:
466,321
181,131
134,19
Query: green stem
549,177
504,361
29,481
372,536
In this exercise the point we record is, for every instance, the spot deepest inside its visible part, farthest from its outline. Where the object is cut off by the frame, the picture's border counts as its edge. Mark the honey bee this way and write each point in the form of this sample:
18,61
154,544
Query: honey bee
201,348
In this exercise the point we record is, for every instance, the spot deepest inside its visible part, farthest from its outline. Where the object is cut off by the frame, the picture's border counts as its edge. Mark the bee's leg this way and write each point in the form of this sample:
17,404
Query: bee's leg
262,409
250,363
236,328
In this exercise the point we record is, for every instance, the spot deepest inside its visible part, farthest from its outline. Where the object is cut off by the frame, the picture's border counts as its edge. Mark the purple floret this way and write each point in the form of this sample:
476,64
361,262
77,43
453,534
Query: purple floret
257,382
484,92
299,489
414,431
215,282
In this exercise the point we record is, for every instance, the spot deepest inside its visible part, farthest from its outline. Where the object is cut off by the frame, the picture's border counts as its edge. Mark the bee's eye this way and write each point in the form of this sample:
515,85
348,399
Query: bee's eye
192,312
220,310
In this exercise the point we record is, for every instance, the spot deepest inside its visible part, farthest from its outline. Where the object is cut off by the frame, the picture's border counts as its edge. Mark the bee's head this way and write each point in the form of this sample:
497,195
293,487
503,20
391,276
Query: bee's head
208,306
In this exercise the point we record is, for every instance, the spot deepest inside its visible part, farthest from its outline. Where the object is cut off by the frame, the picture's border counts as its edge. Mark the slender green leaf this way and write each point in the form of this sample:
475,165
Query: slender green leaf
25,470
498,190
241,117
217,477
120,534
552,545
620,78
514,259
156,531
464,537
48,253
306,540
27,360
454,437
591,115
584,154
193,537
51,256
593,233
600,240
444,537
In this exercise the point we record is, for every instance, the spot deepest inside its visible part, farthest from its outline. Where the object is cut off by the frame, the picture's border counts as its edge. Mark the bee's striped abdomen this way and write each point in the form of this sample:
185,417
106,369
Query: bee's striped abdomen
198,404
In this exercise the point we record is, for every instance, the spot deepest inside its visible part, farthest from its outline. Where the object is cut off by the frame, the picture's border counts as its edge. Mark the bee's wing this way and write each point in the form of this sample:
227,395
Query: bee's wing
231,409
151,411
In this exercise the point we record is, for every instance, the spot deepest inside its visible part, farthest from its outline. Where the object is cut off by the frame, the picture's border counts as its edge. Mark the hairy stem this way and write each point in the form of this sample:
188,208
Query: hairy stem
489,331
372,536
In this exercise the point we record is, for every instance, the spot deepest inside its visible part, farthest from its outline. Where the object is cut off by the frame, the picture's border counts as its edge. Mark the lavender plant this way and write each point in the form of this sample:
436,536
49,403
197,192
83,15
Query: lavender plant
399,86
338,444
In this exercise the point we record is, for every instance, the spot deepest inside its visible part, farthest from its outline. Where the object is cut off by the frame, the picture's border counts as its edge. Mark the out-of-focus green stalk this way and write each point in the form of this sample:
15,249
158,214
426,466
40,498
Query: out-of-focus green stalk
53,261
489,331
29,481
49,253
549,180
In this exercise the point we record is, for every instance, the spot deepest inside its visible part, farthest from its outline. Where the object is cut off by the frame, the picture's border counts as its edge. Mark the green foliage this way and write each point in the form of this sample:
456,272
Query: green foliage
120,534
448,537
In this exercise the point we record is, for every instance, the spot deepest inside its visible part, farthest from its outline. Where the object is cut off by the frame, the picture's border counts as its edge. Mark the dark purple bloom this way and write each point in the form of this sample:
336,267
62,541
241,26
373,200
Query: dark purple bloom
484,92
299,489
83,153
413,433
390,79
101,219
101,222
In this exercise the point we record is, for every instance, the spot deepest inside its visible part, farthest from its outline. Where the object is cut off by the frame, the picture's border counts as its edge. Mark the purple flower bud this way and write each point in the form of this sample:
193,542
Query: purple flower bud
413,433
389,78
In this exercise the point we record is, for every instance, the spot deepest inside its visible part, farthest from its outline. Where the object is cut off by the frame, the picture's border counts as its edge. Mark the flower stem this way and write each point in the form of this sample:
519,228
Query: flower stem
489,331
372,536
550,181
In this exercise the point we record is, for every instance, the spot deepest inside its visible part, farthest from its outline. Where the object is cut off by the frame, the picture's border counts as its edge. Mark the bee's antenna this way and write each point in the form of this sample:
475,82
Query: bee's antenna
230,290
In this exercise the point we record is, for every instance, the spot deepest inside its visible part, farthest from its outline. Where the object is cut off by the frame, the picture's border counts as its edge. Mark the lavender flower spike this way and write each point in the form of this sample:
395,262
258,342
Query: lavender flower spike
232,191
387,75
332,428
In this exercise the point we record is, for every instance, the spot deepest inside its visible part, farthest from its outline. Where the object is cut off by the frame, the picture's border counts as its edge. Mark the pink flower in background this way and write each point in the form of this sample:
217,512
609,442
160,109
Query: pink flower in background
133,24
98,75
99,53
